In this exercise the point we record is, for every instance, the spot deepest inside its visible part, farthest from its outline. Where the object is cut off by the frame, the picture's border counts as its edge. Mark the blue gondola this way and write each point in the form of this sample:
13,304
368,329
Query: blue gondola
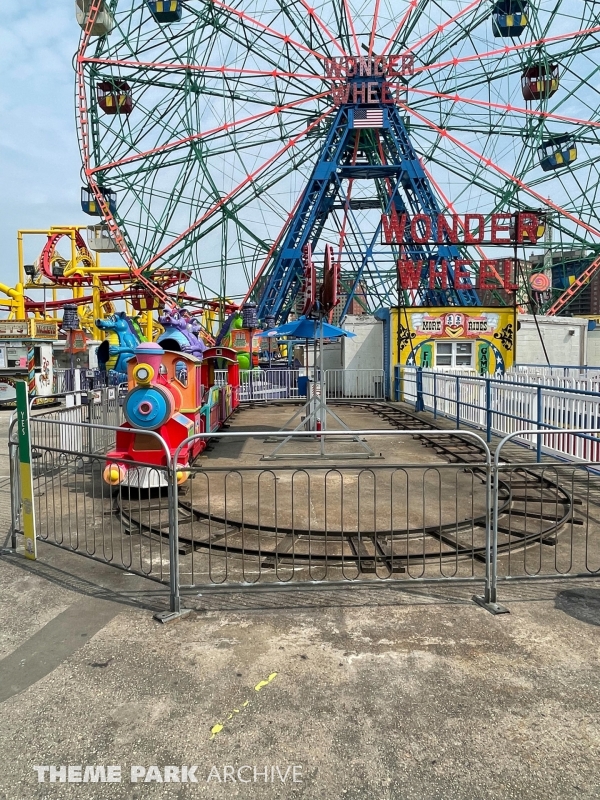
509,17
165,10
557,151
89,204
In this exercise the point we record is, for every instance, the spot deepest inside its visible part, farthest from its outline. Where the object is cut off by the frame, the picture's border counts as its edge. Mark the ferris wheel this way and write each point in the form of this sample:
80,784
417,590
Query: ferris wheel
204,123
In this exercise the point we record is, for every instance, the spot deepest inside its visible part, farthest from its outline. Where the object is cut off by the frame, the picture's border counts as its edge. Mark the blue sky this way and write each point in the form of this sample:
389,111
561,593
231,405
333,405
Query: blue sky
39,154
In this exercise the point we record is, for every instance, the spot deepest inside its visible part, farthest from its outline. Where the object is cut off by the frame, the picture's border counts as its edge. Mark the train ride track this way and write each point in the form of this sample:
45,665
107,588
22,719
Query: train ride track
532,510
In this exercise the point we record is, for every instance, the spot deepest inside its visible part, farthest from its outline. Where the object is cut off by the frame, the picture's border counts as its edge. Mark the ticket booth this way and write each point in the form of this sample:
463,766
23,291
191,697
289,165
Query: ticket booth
26,352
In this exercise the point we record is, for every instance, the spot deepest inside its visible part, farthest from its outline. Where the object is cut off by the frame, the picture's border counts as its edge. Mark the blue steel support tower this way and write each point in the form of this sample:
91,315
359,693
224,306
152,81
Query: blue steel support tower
395,165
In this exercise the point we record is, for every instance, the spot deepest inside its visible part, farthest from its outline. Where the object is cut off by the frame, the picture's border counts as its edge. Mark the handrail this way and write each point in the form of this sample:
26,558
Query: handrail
508,404
499,381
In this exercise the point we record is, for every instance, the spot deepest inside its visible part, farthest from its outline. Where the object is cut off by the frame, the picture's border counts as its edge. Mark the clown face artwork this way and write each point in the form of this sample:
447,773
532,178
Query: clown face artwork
454,324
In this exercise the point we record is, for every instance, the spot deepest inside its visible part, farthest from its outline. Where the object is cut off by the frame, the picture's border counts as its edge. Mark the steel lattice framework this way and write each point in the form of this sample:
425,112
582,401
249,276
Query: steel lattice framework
231,113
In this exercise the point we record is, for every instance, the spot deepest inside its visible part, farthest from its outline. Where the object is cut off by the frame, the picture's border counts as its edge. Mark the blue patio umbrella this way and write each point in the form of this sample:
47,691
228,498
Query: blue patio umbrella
313,414
315,330
305,328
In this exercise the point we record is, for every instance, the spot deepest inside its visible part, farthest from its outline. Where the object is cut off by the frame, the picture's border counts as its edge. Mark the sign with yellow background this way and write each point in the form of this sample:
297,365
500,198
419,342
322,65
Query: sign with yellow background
485,337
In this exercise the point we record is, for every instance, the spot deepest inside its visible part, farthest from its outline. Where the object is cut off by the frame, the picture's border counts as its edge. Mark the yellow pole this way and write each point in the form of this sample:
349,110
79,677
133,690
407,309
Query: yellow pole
97,306
73,250
19,296
20,257
149,324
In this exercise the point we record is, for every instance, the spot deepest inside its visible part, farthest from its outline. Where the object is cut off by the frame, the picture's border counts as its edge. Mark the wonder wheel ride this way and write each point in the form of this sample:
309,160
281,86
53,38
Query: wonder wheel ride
221,137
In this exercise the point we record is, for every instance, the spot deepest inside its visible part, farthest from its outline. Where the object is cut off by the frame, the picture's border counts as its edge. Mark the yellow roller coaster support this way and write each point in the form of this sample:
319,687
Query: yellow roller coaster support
17,299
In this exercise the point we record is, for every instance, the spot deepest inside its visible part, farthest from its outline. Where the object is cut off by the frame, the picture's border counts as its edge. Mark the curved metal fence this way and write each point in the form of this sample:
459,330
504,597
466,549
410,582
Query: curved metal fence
241,525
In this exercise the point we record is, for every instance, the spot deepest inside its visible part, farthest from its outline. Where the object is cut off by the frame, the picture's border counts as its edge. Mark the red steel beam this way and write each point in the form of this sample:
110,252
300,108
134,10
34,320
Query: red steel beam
505,174
453,62
457,98
292,143
226,126
438,29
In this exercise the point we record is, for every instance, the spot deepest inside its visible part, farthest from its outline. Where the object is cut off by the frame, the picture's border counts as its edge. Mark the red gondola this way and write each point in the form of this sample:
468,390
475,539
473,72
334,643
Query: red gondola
539,81
115,97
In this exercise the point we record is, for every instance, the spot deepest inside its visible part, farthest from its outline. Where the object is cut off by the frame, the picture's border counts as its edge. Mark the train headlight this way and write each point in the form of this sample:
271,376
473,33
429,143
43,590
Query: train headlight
143,374
182,474
114,474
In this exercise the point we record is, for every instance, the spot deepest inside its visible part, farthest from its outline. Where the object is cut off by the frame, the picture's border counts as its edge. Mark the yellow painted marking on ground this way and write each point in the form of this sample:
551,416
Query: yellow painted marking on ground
218,727
215,729
262,684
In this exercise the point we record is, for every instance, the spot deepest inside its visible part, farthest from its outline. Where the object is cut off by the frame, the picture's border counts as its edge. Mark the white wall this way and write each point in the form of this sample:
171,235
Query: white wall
365,350
593,348
565,339
332,355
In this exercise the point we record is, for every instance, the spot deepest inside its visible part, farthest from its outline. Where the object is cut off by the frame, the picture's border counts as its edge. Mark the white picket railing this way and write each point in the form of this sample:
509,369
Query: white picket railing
552,371
503,404
280,384
355,384
559,377
221,377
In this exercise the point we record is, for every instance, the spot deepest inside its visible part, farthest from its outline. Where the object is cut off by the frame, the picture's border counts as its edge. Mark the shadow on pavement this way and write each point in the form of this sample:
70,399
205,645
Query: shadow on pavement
581,603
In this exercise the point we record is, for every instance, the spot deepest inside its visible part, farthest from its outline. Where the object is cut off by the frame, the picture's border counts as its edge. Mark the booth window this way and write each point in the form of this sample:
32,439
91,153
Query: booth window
454,354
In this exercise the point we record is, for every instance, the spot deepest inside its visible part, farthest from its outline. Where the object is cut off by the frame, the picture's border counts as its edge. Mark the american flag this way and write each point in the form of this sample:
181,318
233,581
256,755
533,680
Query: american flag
368,118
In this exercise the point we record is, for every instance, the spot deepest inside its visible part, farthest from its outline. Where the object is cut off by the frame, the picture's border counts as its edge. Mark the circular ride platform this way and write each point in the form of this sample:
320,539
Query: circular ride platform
414,509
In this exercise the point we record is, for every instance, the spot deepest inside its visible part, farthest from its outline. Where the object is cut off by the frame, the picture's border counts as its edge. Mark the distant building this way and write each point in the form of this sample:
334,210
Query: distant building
566,267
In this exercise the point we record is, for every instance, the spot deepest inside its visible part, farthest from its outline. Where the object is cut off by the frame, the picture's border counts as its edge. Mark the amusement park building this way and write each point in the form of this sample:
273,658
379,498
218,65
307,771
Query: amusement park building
378,344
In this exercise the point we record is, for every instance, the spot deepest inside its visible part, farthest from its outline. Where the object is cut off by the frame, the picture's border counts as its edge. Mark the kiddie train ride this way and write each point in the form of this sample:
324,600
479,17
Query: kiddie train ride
174,394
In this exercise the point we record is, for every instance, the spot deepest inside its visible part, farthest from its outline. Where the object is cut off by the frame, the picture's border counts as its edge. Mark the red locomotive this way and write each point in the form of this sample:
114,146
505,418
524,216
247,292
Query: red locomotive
175,395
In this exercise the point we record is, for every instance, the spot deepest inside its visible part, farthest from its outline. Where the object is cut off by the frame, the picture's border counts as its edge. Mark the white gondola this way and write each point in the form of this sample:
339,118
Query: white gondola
104,22
100,239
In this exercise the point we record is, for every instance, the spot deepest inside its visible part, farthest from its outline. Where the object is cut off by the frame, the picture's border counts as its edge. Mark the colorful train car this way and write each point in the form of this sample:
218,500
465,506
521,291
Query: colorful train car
221,400
174,395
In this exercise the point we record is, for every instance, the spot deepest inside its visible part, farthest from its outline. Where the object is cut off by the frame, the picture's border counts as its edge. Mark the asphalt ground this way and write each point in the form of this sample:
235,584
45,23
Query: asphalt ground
398,692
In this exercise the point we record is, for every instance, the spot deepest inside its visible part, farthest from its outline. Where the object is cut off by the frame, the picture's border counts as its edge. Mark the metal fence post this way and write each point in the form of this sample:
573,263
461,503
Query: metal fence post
489,600
175,610
89,400
105,395
15,494
457,401
419,404
488,410
174,599
493,578
493,567
538,448
435,395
